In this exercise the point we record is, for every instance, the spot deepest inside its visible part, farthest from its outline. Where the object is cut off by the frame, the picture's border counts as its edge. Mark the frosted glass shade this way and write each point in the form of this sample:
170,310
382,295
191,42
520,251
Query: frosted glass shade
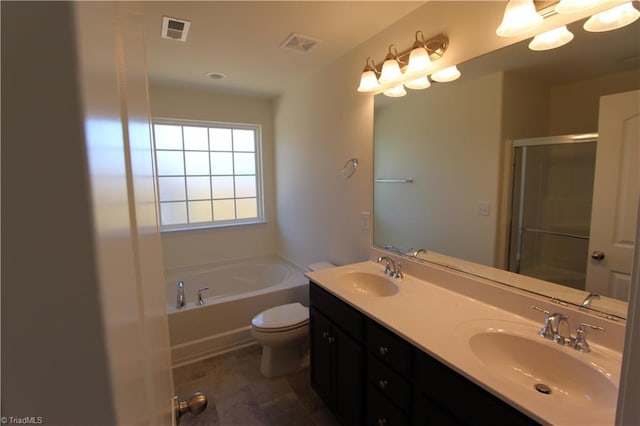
520,17
612,19
419,83
446,75
368,82
573,6
419,62
395,91
551,39
390,72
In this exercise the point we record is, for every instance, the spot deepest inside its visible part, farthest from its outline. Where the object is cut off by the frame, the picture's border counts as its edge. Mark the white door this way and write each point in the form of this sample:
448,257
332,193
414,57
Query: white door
111,61
615,195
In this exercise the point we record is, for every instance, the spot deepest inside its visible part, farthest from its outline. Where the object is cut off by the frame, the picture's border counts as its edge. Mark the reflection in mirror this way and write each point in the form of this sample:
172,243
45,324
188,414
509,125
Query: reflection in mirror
445,157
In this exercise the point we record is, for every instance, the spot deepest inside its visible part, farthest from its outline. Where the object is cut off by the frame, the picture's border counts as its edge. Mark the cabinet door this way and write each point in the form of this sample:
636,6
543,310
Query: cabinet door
321,356
349,379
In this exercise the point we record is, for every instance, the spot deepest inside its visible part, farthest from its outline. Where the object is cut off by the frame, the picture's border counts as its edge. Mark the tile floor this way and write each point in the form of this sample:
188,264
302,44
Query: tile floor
239,395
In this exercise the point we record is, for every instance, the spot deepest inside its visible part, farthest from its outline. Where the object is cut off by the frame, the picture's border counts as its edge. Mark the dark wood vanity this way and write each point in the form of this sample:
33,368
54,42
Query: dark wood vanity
369,375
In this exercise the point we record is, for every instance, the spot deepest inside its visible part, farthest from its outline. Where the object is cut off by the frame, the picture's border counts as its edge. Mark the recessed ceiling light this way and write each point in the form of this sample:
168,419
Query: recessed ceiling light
216,75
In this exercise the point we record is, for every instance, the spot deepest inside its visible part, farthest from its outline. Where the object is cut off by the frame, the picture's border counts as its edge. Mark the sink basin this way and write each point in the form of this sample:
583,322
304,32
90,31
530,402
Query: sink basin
368,284
532,363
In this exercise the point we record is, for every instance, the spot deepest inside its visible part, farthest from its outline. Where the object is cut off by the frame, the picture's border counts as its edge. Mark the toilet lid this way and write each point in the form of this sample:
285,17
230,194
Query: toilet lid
283,316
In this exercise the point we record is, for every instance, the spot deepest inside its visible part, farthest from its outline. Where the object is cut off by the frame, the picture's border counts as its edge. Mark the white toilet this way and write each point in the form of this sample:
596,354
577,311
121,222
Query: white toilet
283,332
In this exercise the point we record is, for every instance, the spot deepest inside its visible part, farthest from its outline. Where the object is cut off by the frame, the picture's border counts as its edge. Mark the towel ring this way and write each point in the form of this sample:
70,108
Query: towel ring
349,167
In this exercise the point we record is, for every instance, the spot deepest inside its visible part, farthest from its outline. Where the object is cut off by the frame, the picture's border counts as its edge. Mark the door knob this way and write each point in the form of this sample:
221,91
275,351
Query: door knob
597,255
196,405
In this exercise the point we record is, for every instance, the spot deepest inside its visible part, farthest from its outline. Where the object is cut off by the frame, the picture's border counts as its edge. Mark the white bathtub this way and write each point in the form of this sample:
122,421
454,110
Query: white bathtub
238,290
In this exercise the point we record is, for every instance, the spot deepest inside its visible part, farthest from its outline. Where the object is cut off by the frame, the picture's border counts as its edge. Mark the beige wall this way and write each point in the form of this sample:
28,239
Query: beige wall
448,139
574,107
183,248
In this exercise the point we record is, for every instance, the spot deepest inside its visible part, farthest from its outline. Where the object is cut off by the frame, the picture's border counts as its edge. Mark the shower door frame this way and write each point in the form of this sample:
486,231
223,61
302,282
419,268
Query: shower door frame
525,143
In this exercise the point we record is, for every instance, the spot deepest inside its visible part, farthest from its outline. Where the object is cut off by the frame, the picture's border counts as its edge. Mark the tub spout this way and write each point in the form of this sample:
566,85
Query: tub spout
180,300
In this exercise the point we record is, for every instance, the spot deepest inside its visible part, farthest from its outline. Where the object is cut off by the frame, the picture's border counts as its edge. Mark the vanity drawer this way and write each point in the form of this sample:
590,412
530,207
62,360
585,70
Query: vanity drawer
343,315
381,412
389,348
389,383
461,398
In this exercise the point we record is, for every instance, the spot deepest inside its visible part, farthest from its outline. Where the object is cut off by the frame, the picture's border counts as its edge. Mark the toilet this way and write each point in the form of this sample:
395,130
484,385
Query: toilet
283,332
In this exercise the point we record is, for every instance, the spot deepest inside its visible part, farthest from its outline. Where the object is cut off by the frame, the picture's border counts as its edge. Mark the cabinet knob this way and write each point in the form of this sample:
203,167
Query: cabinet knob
382,385
331,339
382,421
325,334
383,350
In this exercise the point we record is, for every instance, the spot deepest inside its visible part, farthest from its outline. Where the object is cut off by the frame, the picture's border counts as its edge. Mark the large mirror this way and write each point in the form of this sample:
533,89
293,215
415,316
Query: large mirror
449,166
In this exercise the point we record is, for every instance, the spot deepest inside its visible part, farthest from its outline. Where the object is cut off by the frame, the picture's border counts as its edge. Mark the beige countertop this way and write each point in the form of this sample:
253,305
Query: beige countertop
440,322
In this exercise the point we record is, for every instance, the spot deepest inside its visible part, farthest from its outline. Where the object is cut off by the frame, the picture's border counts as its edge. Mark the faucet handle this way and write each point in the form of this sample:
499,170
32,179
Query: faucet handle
200,300
547,331
398,273
580,341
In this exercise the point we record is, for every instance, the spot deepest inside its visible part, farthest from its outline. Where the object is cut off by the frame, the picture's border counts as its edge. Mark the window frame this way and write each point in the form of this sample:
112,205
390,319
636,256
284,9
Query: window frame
260,202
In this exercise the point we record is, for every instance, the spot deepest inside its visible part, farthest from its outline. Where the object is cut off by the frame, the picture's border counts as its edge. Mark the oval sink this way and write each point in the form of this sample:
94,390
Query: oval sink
530,363
368,284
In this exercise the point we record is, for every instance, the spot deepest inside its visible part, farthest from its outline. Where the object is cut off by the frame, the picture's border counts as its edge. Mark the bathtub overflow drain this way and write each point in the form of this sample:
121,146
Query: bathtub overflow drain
542,388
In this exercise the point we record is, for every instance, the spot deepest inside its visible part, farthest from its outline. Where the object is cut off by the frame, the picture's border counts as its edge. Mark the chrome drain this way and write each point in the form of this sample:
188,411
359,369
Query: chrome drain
542,388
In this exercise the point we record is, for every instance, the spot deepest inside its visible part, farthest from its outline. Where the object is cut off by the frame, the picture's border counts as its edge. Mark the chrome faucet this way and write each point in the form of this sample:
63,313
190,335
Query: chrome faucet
560,328
391,268
415,253
200,300
180,302
556,328
586,303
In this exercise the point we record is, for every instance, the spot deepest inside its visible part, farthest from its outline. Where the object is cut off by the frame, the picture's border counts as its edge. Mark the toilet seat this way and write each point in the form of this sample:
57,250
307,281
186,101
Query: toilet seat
281,318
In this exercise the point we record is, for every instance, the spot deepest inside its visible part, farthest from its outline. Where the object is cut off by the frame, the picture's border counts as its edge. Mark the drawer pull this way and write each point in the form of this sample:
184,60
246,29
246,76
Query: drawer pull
328,336
382,385
383,350
382,421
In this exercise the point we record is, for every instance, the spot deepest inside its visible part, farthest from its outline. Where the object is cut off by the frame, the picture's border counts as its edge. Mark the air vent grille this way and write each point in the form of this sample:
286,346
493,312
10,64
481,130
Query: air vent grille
300,43
175,29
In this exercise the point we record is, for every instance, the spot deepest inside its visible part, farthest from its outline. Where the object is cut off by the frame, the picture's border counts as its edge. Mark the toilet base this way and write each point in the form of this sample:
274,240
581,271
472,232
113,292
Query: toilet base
282,360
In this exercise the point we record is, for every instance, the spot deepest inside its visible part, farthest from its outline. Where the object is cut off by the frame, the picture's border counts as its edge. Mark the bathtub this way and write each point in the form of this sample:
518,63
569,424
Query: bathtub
238,290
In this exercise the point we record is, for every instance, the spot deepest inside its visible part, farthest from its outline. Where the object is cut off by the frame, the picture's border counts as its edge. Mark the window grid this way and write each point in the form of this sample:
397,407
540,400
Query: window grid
232,214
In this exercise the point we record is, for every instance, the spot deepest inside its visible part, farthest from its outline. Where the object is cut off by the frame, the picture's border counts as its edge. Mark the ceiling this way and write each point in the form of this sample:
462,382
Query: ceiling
242,39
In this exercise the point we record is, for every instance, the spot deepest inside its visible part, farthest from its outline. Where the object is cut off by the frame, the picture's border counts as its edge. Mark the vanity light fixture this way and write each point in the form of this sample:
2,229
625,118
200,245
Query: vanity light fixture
612,19
369,78
419,60
409,68
446,75
551,39
573,6
391,73
520,16
395,91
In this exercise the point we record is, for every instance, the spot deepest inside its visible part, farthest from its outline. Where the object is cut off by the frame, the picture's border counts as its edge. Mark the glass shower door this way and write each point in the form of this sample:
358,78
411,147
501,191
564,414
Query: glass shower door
551,209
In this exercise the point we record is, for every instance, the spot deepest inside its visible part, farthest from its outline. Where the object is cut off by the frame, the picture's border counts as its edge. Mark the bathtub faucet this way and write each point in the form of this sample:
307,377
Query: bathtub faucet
180,301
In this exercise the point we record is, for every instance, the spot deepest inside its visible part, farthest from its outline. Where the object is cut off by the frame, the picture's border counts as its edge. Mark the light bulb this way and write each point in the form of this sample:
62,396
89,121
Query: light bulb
368,82
520,16
419,61
445,75
551,39
395,91
612,19
419,83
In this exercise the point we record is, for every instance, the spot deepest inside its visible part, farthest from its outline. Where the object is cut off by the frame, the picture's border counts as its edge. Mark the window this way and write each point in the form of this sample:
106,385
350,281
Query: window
208,174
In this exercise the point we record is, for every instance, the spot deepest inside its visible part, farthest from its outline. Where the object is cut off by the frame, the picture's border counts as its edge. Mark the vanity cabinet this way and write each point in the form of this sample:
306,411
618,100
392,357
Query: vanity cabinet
369,375
337,355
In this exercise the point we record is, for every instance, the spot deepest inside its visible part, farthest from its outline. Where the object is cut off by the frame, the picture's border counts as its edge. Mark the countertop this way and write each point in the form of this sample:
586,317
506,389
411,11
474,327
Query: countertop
440,321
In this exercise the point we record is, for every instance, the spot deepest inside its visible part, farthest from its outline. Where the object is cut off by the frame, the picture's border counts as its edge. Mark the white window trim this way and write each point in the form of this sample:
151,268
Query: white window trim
261,219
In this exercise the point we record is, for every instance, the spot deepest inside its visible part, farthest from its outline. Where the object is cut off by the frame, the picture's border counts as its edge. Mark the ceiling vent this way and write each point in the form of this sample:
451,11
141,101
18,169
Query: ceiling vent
300,43
175,29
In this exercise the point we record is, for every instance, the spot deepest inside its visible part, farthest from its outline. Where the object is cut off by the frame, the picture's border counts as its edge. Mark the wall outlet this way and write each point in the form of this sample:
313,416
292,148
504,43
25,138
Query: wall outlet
483,208
364,221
